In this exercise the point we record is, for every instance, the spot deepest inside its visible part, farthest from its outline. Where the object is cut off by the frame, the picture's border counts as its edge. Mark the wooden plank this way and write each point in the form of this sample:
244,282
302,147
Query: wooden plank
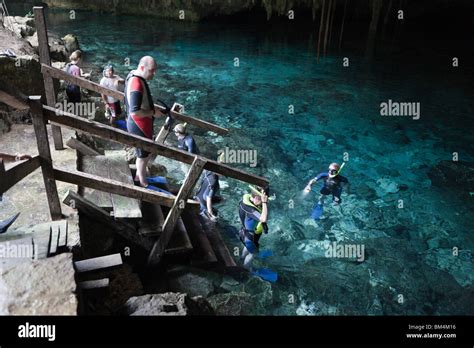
13,101
75,144
90,209
218,244
13,97
94,284
43,45
53,247
175,211
120,136
42,243
203,252
97,263
39,124
62,75
97,165
63,231
17,173
117,187
118,170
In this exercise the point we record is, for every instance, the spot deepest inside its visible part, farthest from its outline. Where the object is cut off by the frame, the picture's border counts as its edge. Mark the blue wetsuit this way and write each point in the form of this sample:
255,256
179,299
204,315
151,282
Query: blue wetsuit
331,185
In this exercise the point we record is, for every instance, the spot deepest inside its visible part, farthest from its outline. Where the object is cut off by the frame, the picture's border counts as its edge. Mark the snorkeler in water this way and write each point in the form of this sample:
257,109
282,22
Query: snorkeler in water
333,184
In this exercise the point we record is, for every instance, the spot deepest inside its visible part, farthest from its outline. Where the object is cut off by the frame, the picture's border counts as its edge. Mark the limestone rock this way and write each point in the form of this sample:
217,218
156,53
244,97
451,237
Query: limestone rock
169,304
41,287
231,304
71,43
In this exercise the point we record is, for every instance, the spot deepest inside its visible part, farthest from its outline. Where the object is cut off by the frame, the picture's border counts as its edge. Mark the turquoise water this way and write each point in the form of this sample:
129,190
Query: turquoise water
409,266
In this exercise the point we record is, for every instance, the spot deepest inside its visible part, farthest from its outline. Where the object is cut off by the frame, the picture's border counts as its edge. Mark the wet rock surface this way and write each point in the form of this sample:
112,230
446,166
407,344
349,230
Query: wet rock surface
41,287
167,304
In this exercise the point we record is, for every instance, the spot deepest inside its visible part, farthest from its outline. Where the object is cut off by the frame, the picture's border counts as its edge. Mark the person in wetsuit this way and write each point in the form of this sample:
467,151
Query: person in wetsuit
332,183
207,191
185,141
141,110
253,213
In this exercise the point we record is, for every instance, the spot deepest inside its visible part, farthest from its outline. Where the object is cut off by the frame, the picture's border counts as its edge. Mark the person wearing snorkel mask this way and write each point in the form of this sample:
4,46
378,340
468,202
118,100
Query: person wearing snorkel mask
253,214
332,183
112,105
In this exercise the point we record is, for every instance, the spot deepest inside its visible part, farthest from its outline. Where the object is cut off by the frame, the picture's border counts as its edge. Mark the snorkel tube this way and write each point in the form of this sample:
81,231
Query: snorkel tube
342,166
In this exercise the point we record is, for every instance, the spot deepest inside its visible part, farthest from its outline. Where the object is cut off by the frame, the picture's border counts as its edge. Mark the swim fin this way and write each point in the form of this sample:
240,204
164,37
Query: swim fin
154,188
4,225
264,254
157,180
266,274
122,124
317,211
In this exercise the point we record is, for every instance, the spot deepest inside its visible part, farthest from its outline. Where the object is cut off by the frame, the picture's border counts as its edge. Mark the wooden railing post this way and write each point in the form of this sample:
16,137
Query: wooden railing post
45,58
39,124
175,211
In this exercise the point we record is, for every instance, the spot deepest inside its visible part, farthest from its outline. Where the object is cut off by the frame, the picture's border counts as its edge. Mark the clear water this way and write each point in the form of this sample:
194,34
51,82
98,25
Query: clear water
409,266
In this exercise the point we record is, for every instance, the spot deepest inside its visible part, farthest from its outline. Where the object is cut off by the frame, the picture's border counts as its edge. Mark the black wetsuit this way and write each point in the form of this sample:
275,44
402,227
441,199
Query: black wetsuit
188,144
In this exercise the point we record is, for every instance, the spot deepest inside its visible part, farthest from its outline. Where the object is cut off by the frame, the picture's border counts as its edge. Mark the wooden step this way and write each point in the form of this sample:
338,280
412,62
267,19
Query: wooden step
203,254
179,242
218,245
119,170
152,220
96,165
98,263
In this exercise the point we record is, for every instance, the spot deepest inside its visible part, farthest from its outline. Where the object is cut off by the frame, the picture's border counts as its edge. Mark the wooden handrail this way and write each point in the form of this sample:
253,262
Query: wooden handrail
93,86
69,120
116,187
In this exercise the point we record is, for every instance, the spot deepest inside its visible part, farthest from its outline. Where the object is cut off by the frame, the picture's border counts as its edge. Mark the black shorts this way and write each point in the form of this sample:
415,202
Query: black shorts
134,129
73,93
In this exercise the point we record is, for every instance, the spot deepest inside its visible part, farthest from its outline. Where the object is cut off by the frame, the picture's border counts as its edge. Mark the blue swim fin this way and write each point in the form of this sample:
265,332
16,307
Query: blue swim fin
4,225
157,180
264,254
122,124
266,274
317,211
154,188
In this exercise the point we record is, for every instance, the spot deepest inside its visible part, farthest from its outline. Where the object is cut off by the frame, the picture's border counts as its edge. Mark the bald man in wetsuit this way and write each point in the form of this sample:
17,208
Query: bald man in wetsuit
141,110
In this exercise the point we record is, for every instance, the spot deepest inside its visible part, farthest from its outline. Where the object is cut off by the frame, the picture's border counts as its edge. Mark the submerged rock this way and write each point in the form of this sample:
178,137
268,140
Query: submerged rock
170,304
192,284
459,174
386,185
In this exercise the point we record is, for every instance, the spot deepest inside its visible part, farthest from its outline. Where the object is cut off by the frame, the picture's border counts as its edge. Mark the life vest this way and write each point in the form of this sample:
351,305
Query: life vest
147,101
246,208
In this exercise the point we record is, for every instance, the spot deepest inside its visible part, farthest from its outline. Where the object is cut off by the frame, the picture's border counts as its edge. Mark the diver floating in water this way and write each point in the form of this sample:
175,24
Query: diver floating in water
332,185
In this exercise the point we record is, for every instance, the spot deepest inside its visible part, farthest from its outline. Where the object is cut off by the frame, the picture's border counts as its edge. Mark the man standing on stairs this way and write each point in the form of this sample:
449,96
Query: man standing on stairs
141,110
